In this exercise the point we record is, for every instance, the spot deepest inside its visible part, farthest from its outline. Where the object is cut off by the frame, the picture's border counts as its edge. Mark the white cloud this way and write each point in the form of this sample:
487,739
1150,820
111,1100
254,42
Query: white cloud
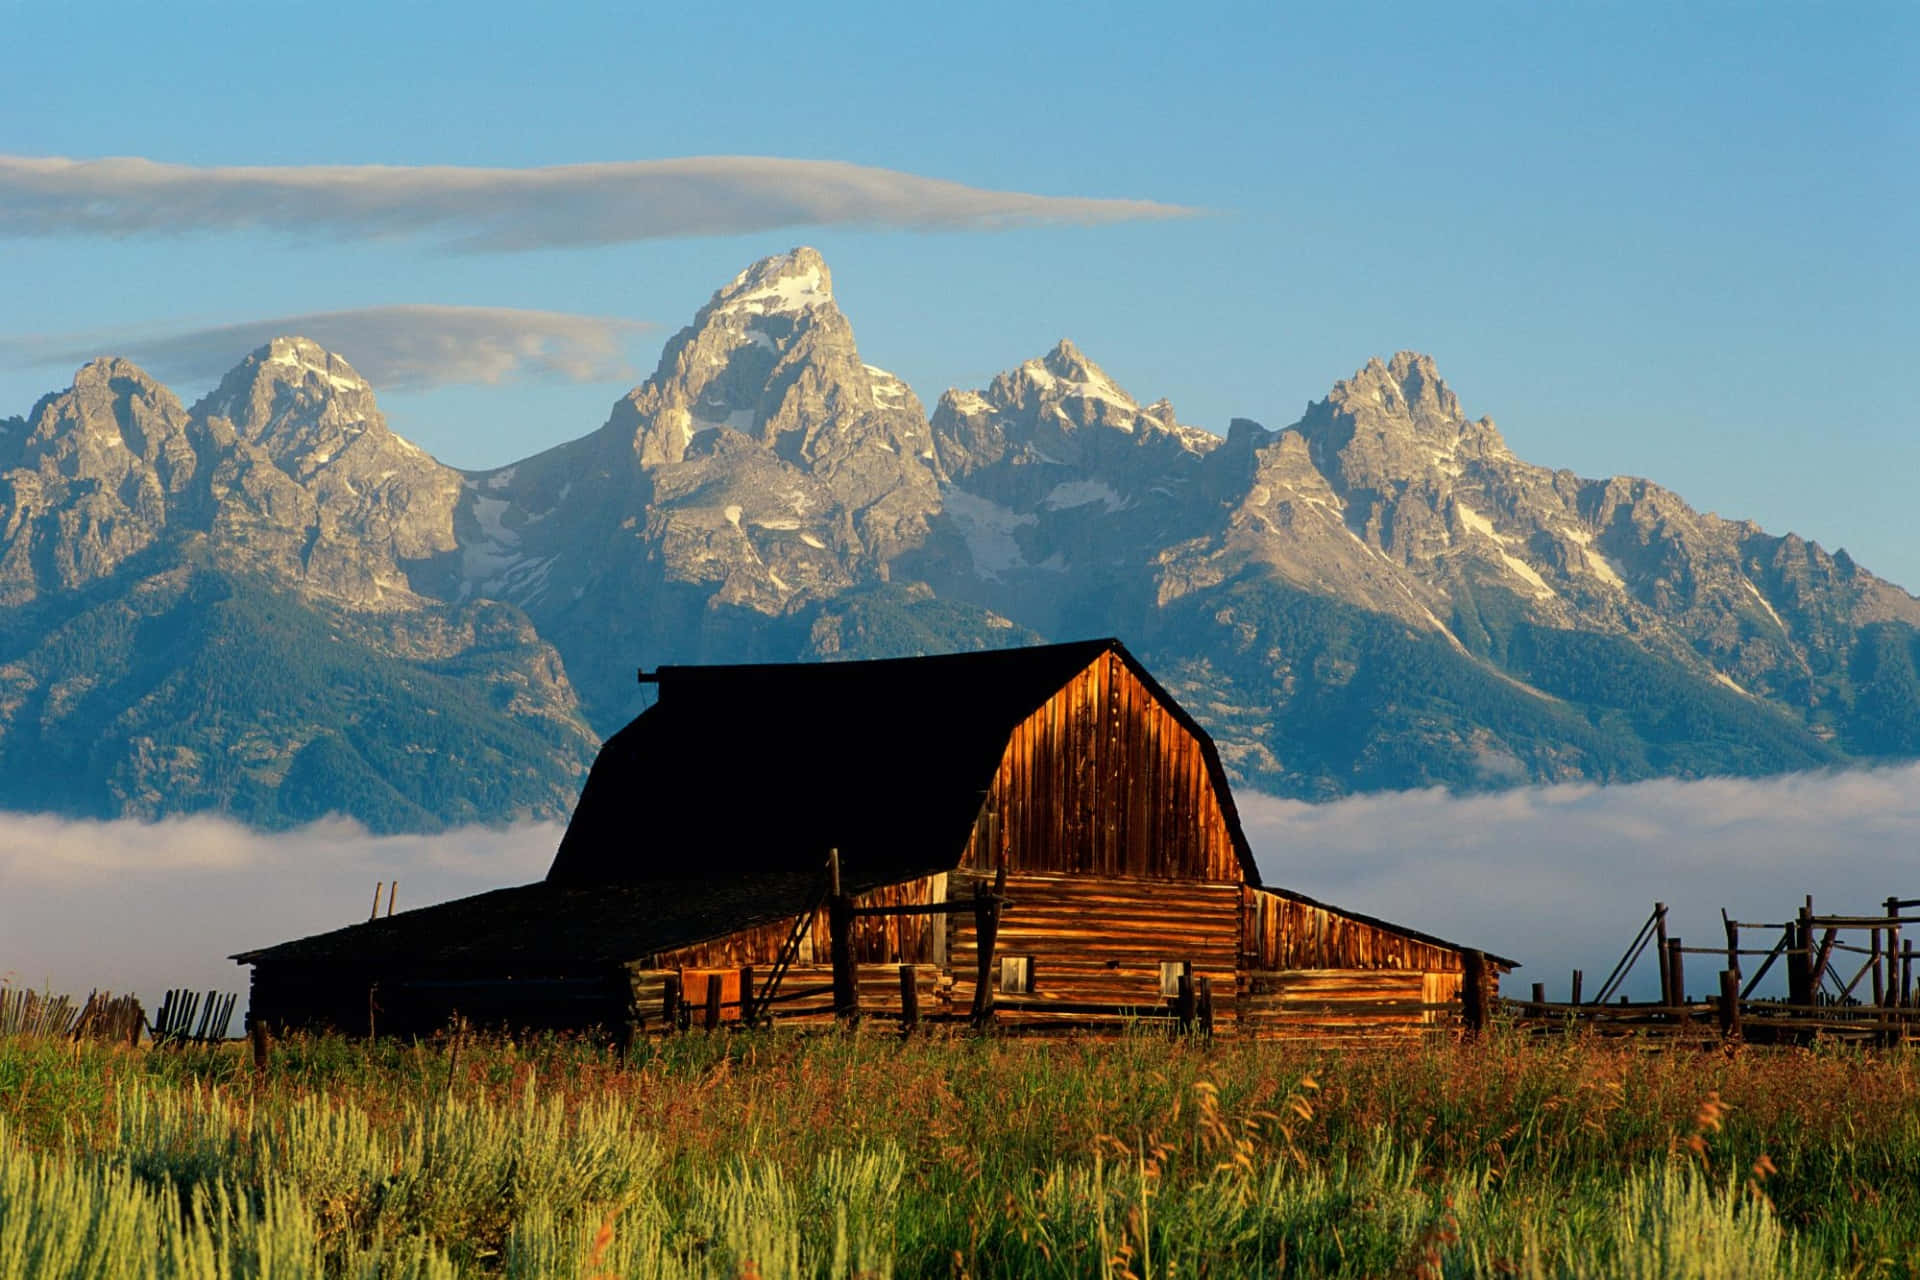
399,348
1556,877
1560,877
513,209
145,906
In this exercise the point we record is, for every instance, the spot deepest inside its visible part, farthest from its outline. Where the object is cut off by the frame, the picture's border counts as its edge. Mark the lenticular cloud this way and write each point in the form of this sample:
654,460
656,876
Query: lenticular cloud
566,206
397,348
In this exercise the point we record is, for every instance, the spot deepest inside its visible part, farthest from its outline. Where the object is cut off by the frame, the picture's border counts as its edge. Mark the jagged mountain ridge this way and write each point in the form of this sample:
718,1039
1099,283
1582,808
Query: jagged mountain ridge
1380,595
213,608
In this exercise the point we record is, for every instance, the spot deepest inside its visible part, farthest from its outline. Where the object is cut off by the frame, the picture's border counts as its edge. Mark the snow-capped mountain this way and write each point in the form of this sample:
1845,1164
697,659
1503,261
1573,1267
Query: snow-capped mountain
1381,594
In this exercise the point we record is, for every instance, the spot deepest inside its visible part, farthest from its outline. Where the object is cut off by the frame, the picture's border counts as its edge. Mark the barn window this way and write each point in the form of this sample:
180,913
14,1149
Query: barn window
1016,974
1170,974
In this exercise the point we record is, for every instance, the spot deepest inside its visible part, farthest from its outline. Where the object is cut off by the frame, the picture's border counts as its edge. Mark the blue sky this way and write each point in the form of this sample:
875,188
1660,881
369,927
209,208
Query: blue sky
1675,242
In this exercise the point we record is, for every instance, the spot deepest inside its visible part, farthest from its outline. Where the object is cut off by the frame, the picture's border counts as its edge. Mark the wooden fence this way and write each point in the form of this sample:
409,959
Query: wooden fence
185,1017
1874,1002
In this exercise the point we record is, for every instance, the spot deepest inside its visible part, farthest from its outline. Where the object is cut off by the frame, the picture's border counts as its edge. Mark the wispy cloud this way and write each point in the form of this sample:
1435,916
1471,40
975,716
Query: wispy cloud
511,209
1560,877
397,348
1556,877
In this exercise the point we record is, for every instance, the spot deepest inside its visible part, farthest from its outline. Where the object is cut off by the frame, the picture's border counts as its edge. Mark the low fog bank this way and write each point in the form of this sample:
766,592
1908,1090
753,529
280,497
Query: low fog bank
1555,877
1560,877
143,906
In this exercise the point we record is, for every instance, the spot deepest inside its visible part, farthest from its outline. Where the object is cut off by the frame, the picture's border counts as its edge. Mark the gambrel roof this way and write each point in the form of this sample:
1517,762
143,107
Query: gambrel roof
739,770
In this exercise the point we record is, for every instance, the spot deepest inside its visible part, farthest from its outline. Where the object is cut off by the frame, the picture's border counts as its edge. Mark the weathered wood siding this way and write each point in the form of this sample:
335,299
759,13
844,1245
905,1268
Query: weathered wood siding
1102,941
806,993
1104,780
1347,1006
876,939
1281,933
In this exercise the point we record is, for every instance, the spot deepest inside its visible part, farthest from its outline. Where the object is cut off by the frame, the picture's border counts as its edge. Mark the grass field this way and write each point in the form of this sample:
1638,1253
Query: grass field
775,1155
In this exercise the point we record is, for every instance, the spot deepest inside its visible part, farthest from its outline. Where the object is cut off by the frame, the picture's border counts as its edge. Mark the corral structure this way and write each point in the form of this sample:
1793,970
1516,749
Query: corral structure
1036,837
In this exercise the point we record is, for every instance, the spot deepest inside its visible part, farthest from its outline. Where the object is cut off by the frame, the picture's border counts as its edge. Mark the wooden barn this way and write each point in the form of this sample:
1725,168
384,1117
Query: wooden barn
1035,837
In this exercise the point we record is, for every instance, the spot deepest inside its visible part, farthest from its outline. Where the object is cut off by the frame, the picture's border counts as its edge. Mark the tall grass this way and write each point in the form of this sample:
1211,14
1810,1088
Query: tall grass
781,1156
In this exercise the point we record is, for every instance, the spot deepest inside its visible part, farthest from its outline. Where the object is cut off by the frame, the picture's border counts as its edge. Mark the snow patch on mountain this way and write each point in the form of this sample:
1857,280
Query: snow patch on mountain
988,529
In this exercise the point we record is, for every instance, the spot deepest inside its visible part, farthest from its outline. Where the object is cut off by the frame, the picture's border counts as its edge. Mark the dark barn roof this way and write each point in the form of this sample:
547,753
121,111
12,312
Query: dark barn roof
741,770
542,930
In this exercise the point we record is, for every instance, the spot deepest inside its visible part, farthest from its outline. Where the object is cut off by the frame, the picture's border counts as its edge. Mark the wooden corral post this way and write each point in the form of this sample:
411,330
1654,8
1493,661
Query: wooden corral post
1906,973
1877,963
846,986
986,928
1537,1007
1729,1004
670,1002
1205,1007
1660,952
909,1000
1800,959
1473,991
373,1006
1894,990
746,995
1677,977
716,989
1573,990
1733,941
257,1040
1183,1003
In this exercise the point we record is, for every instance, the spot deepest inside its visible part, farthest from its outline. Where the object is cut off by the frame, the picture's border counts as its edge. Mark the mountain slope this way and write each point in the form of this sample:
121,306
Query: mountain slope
271,604
213,610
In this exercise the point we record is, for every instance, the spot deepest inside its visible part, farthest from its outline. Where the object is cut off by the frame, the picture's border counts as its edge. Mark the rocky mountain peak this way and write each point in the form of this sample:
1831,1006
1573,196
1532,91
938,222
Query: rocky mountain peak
297,400
113,404
785,283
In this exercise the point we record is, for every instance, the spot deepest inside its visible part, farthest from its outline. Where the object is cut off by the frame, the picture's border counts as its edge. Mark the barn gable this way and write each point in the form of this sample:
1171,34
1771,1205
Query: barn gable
743,770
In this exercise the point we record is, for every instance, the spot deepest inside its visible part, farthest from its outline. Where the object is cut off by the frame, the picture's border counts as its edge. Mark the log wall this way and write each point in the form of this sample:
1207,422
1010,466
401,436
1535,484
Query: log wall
1281,933
1102,941
1347,1006
1104,780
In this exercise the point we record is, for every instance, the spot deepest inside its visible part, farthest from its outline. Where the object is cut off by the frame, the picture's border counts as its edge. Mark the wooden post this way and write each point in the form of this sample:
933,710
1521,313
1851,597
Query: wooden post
746,995
1660,952
1183,1003
1906,973
378,885
670,1002
1893,952
986,929
1733,941
846,986
373,1007
1473,991
1537,1007
716,989
1729,1005
1877,962
1800,959
1677,976
909,1000
393,891
1821,961
1573,996
257,1039
1206,1007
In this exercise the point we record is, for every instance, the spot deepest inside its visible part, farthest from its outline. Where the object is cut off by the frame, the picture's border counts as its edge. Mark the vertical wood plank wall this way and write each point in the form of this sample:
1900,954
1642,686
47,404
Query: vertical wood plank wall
1282,933
1103,780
